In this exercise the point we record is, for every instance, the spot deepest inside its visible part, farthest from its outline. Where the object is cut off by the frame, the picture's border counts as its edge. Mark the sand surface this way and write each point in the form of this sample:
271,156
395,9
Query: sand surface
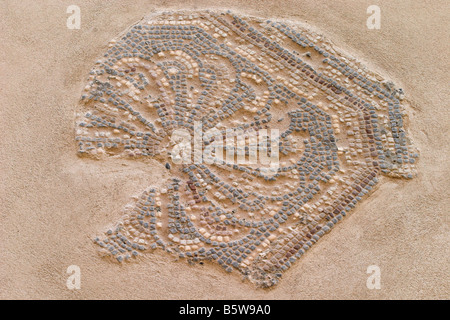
53,202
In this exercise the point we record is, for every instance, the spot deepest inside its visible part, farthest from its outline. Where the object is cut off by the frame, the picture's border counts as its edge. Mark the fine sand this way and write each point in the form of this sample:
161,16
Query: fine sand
53,202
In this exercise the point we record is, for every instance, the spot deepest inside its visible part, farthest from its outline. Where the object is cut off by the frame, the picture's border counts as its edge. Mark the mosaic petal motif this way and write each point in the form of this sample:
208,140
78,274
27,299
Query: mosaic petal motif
341,127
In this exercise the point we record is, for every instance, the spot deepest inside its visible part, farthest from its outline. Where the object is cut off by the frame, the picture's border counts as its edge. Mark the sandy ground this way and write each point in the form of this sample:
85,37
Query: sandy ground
52,202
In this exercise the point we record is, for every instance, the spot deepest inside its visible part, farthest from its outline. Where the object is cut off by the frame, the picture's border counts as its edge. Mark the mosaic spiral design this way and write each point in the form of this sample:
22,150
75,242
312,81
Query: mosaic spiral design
341,127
